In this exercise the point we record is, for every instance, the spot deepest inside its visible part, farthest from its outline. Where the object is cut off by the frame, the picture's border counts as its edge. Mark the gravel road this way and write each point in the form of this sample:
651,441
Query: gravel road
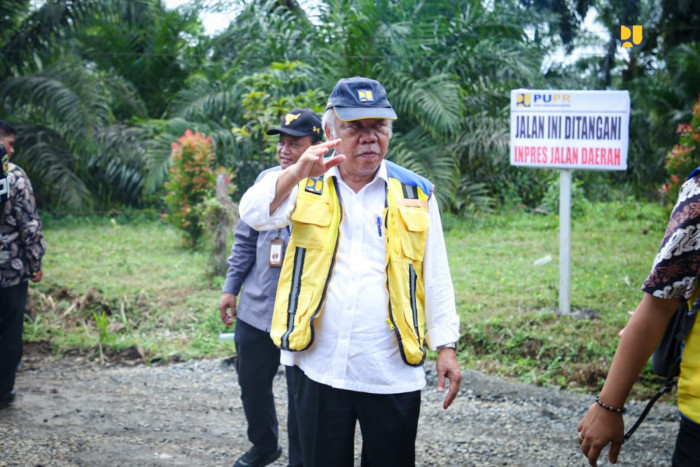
70,412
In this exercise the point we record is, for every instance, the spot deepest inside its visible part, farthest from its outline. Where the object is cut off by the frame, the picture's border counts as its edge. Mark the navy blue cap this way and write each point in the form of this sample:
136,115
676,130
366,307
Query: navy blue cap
299,122
358,98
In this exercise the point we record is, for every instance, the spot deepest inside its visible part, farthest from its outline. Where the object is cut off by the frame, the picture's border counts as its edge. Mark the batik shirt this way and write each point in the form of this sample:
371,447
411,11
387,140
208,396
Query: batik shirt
22,244
676,265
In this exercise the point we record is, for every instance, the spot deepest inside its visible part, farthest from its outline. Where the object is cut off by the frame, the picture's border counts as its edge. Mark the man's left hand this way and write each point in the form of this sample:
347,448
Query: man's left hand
447,366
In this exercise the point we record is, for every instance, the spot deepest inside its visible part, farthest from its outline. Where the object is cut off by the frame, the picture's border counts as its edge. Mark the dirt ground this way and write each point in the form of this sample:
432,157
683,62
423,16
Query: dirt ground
74,412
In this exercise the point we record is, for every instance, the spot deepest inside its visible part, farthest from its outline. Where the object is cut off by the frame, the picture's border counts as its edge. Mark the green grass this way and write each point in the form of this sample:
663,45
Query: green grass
511,325
160,304
154,290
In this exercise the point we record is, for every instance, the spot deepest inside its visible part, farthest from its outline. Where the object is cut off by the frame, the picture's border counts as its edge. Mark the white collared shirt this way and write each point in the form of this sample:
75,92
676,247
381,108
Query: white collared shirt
354,348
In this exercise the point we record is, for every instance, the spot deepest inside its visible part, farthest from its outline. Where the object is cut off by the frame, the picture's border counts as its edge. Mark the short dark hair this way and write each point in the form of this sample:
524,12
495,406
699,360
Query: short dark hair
6,129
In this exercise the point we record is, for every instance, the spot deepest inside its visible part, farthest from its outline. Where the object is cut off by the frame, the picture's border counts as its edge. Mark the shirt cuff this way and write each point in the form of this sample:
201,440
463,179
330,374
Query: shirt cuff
442,335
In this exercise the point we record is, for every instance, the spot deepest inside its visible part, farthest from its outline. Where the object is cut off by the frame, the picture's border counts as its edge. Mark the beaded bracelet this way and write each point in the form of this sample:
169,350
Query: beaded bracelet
609,407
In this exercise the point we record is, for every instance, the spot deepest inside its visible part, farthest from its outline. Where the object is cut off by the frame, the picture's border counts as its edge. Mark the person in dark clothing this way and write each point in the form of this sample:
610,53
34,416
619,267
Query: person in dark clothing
22,246
254,266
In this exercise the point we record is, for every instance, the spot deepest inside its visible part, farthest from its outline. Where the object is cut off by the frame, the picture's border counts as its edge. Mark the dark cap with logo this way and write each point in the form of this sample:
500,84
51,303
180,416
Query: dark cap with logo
357,98
299,122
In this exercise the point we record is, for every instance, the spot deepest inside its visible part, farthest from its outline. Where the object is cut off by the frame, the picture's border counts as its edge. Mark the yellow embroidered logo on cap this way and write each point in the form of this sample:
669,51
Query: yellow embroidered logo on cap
289,118
365,95
316,129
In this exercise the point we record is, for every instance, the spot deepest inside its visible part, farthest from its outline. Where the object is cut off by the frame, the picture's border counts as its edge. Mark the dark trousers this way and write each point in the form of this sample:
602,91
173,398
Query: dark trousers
687,452
327,418
257,363
12,302
295,457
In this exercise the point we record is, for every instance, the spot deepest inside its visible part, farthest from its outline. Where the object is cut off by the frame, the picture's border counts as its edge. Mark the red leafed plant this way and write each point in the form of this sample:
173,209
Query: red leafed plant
685,156
192,181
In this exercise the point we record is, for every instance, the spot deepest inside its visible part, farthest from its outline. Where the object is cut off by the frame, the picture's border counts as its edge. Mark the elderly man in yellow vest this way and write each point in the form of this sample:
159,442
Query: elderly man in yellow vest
364,284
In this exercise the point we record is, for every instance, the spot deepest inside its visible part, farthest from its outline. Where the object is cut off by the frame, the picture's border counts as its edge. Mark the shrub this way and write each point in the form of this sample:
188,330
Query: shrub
684,157
192,181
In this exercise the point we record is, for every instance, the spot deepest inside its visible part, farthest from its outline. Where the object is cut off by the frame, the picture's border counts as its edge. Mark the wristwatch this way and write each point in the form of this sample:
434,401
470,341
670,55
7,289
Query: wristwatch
451,345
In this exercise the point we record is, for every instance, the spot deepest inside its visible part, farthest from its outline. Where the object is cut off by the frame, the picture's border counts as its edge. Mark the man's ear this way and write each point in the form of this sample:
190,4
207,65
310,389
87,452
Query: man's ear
327,131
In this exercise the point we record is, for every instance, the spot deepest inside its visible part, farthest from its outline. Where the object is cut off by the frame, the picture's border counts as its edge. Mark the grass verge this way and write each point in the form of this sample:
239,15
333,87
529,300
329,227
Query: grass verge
127,288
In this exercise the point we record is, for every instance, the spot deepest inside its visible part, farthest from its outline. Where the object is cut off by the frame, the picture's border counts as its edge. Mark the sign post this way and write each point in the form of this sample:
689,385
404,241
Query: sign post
568,130
565,241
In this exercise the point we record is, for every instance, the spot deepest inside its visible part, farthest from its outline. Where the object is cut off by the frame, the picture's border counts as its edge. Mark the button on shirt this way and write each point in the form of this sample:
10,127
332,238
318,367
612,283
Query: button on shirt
354,348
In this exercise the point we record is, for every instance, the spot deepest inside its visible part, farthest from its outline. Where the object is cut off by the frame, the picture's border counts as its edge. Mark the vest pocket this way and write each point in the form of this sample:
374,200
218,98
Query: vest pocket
311,224
414,233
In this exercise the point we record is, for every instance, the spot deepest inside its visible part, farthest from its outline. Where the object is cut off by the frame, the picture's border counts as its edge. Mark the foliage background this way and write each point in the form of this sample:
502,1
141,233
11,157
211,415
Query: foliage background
99,89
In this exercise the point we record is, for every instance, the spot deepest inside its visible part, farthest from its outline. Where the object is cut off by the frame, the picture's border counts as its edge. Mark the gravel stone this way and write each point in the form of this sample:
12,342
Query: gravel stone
77,413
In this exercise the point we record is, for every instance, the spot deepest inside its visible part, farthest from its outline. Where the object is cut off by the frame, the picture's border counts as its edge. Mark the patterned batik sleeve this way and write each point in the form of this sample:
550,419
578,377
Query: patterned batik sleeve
29,223
675,268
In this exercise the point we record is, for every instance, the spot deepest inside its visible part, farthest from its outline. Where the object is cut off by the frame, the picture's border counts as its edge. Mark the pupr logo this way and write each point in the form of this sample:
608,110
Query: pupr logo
315,185
631,37
522,100
365,95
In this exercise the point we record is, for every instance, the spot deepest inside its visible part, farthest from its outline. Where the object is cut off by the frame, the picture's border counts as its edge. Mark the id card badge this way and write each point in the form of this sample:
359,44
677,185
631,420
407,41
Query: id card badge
276,252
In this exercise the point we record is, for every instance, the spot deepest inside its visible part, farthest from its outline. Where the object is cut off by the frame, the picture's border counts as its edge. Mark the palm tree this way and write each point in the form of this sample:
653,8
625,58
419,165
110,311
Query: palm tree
255,75
73,92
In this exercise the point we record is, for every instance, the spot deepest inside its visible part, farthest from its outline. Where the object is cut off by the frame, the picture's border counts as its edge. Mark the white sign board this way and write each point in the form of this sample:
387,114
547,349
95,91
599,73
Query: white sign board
569,129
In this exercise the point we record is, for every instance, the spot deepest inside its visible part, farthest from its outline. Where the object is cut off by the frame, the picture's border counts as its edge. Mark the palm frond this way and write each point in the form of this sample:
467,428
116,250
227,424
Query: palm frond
434,102
40,30
116,171
72,99
204,98
49,164
417,152
124,97
482,134
473,197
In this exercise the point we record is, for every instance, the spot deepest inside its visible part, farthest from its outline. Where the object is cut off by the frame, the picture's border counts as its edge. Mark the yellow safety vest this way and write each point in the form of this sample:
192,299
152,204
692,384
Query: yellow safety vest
689,380
313,245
